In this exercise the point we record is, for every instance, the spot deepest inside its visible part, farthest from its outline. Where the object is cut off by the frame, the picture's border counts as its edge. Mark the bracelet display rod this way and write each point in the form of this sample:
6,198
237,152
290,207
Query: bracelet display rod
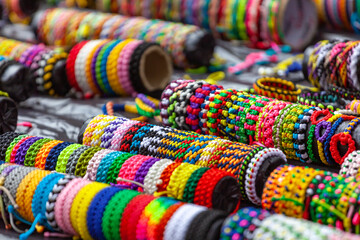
69,206
288,22
95,67
187,45
183,181
334,66
319,196
250,164
302,132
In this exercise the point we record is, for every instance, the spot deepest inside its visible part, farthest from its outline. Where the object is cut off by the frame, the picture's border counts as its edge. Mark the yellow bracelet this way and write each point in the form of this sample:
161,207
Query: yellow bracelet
111,68
80,206
179,178
87,69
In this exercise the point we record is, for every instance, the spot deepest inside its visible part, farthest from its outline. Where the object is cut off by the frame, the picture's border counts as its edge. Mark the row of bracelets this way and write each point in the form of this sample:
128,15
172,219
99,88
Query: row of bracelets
256,21
334,66
338,14
95,67
247,163
116,67
182,181
39,59
92,210
302,132
252,223
319,196
66,27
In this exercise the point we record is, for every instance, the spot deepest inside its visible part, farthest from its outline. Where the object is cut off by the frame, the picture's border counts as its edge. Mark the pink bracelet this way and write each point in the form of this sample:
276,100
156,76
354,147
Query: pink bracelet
123,66
130,167
94,163
119,134
263,114
269,121
64,202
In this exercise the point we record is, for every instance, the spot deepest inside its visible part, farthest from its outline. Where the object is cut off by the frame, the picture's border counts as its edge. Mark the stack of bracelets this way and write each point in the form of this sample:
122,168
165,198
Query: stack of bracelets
338,14
252,223
302,132
188,45
249,164
42,61
118,67
259,22
96,67
334,66
319,196
183,181
8,113
75,206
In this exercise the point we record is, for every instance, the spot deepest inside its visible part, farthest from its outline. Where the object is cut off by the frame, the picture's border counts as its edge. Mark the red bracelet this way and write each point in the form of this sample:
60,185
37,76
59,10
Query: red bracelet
315,116
132,214
70,65
205,187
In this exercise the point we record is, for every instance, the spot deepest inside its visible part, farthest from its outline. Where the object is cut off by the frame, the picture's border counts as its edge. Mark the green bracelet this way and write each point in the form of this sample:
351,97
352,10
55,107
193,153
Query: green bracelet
64,157
278,122
12,145
113,213
115,167
82,163
189,191
310,144
99,60
33,151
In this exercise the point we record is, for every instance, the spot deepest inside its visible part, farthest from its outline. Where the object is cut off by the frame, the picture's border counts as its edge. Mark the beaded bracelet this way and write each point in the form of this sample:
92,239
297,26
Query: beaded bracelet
111,26
180,147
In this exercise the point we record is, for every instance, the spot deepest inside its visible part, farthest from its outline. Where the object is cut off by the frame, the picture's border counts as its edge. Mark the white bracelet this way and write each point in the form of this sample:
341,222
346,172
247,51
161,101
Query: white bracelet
153,176
176,228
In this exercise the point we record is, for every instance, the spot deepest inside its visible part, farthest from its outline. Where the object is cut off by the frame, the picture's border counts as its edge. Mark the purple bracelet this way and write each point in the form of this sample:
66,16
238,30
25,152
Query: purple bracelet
26,54
106,138
31,57
142,172
146,100
20,154
8,169
322,124
93,66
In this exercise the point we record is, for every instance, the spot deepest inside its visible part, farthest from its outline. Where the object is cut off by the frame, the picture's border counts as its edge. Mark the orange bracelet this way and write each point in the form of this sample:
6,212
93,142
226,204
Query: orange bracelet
89,58
40,159
26,190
